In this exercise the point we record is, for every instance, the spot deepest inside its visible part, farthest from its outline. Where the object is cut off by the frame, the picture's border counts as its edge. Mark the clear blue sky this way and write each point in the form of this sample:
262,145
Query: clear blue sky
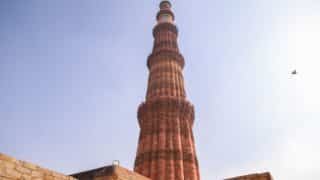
72,74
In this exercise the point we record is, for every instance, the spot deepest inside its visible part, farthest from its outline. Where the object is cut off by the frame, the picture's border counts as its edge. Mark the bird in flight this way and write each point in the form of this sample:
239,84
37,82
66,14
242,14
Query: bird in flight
294,72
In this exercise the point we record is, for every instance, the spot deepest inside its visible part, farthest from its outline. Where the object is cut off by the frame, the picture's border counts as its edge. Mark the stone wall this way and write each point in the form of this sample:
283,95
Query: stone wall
13,169
261,176
113,172
122,174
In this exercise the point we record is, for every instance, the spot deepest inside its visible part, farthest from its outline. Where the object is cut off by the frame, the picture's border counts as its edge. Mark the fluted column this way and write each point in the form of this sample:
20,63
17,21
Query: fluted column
166,148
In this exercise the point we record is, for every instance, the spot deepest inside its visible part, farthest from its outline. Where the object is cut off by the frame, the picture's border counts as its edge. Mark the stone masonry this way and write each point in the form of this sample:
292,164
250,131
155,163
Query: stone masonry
113,172
261,176
166,148
13,169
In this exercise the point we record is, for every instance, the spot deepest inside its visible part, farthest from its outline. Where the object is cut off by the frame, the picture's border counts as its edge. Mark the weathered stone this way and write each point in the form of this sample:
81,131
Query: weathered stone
30,166
7,164
7,158
109,173
261,176
12,169
26,177
12,173
48,177
23,170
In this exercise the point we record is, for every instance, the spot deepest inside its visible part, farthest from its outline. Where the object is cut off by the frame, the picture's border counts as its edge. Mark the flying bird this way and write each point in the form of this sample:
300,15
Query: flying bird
294,72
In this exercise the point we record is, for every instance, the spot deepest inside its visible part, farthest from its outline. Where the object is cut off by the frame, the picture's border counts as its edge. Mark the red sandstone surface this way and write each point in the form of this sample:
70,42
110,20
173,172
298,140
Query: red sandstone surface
166,147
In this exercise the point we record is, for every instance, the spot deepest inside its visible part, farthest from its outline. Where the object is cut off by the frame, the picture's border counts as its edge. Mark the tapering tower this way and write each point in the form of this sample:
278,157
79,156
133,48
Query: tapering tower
166,147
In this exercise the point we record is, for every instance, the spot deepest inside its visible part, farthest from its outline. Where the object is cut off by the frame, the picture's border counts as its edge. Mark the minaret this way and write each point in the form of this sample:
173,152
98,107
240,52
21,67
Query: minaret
166,147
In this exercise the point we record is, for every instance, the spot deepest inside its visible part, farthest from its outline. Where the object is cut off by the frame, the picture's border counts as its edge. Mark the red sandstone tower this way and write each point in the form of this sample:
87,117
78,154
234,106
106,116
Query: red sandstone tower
166,147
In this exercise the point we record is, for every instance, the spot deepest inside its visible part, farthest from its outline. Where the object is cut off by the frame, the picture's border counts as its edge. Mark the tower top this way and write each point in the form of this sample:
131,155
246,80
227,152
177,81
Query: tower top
165,5
165,14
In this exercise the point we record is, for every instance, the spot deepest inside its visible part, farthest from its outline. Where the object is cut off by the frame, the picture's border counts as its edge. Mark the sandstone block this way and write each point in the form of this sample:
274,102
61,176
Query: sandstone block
23,170
30,166
36,174
12,173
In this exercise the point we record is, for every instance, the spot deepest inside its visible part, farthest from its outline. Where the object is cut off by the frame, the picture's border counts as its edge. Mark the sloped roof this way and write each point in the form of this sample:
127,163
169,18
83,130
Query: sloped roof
114,171
260,176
